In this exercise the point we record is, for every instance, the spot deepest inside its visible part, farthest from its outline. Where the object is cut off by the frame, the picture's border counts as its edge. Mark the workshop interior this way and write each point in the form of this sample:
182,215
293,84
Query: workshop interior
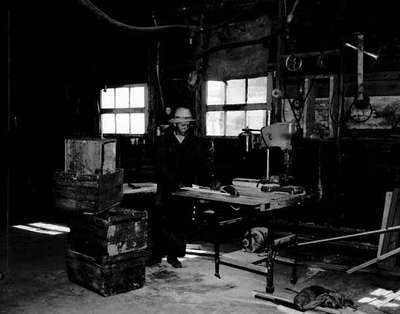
292,105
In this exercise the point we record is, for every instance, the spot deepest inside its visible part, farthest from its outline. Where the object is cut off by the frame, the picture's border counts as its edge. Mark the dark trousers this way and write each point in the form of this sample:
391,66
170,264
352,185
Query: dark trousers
171,222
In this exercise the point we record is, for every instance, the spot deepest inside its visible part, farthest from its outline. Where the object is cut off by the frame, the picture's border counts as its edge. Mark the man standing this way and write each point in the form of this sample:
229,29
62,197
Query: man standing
183,159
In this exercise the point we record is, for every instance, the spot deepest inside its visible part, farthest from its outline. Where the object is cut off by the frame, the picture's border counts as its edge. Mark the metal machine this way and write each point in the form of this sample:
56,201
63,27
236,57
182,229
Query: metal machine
279,135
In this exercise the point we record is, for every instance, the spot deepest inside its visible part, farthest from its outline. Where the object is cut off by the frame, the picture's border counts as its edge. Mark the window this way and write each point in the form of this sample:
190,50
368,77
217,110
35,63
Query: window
237,104
124,109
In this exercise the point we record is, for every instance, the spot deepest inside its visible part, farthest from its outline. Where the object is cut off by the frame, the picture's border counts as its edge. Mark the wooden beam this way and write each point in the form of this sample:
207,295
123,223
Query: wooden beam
367,233
312,53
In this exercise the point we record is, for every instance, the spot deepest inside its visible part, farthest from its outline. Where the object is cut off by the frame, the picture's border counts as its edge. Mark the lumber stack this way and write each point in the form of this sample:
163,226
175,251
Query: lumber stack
107,243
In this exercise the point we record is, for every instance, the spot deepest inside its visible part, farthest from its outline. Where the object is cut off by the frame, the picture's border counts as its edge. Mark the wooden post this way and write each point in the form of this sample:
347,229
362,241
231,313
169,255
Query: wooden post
201,86
277,102
308,111
360,67
333,118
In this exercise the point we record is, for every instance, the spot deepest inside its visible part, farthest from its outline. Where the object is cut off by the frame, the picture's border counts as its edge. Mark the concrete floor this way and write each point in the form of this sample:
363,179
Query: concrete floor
36,282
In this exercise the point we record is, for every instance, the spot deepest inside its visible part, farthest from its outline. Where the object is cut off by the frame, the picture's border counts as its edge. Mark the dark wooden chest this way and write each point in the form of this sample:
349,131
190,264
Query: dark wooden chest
88,193
117,231
109,275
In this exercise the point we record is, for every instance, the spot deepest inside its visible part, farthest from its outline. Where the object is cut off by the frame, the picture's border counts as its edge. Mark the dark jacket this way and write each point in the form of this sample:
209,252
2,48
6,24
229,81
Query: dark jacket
182,164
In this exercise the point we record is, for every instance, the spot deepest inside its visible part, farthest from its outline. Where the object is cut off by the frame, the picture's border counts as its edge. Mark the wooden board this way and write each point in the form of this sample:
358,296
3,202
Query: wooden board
220,198
384,224
90,193
90,156
391,240
110,279
116,231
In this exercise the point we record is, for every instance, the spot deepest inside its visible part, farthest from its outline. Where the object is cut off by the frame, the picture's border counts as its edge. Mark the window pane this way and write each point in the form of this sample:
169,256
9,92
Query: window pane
256,119
107,98
235,92
137,123
235,122
215,123
257,90
215,93
137,97
122,121
108,123
122,97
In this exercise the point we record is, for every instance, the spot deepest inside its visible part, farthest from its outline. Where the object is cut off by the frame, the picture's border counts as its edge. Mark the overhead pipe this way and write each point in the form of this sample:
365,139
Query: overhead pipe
162,28
142,29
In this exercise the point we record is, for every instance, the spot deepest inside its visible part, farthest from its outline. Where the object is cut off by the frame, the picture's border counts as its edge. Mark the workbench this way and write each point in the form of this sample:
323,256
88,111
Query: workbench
248,205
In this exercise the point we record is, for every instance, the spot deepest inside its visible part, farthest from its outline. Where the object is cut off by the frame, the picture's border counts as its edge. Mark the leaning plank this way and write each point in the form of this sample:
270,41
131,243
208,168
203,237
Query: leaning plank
388,200
374,260
391,241
349,236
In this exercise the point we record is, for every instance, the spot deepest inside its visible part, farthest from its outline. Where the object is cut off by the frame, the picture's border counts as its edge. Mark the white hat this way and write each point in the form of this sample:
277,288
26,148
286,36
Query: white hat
182,115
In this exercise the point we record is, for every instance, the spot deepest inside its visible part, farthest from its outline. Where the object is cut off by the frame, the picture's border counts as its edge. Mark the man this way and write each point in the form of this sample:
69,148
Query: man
182,160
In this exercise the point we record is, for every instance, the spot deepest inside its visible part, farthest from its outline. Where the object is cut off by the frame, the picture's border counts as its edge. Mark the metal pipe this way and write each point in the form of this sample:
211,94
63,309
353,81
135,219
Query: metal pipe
139,29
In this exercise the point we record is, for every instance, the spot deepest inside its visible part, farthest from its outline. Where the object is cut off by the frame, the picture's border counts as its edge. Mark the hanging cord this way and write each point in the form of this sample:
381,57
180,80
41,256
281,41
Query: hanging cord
158,65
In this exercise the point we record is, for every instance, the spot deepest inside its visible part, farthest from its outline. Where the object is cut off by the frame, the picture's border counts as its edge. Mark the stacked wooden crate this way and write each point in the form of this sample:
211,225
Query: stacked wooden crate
107,243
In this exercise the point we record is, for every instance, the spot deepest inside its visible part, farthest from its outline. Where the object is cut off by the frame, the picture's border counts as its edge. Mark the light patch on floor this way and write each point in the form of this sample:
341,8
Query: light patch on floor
382,298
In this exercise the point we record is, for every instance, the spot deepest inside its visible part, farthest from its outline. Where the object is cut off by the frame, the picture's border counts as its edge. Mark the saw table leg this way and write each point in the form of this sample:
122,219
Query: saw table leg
293,278
269,265
216,246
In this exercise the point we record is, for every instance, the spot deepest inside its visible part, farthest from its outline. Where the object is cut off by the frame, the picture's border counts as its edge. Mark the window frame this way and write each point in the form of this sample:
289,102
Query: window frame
115,111
238,107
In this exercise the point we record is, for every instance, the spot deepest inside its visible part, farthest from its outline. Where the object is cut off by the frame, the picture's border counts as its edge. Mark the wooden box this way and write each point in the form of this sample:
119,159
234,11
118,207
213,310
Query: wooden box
90,156
123,273
90,193
119,230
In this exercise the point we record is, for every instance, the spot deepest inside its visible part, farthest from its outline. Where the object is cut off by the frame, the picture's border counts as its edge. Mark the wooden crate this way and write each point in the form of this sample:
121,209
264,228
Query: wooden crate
90,193
123,273
90,156
119,230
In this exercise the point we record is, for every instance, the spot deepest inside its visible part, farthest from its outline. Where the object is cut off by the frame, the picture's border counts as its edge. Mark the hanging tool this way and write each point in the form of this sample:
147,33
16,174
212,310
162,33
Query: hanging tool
361,109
